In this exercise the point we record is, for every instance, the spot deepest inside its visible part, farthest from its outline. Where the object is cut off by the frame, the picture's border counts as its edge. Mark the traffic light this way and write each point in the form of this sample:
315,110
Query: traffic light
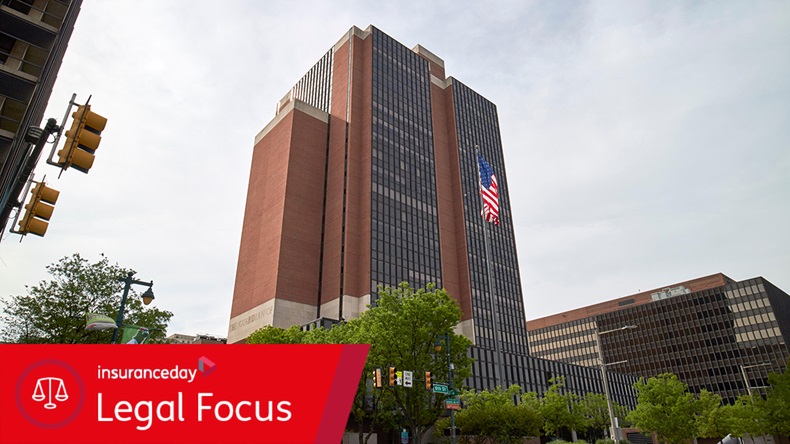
82,140
428,381
393,377
377,378
38,210
449,432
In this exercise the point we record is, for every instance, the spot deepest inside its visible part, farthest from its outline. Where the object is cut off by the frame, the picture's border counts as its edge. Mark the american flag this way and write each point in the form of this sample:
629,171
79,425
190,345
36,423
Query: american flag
489,191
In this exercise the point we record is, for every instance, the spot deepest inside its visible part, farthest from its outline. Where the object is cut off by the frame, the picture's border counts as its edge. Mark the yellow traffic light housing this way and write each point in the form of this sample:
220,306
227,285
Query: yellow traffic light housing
38,210
377,383
428,381
82,140
392,377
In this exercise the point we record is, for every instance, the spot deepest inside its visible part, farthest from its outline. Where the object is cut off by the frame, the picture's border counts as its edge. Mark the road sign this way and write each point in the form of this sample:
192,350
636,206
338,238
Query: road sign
452,392
452,403
398,378
440,388
407,378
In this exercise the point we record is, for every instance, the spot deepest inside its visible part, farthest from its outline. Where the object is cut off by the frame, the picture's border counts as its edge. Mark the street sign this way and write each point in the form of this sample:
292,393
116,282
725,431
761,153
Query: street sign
452,403
398,378
407,378
452,392
440,388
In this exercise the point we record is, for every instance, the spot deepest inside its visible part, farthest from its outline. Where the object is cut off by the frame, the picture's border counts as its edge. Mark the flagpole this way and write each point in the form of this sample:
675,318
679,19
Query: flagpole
499,372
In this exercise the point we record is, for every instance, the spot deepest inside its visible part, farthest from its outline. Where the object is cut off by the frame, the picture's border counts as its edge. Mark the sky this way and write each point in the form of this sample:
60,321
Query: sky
646,143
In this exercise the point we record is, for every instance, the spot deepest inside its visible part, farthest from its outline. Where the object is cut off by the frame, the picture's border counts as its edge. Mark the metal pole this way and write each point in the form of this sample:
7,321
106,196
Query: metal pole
450,384
495,322
119,318
746,381
18,182
613,429
49,159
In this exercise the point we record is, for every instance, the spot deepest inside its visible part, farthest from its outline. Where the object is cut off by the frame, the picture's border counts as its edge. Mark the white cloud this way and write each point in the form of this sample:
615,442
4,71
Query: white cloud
646,143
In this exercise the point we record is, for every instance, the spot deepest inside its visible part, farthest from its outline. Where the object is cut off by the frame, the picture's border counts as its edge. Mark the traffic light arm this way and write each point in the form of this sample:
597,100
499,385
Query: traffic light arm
72,102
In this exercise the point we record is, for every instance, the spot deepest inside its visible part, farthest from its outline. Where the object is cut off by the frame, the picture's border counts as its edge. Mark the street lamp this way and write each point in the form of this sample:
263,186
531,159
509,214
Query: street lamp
613,428
746,380
148,296
438,347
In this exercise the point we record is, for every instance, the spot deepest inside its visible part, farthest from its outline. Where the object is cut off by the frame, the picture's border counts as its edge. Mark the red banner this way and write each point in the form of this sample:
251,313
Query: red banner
177,393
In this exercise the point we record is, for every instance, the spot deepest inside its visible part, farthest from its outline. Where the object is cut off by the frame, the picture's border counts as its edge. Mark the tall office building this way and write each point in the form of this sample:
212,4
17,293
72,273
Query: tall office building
712,332
34,35
368,176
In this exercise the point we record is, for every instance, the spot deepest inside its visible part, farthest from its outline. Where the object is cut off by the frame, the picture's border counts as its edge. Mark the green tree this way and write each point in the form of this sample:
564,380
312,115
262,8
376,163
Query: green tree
402,329
494,417
709,418
558,409
743,417
595,410
54,311
276,335
756,415
665,406
372,408
621,412
777,402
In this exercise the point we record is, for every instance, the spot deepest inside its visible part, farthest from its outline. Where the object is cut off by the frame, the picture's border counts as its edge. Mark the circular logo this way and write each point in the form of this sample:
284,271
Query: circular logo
50,394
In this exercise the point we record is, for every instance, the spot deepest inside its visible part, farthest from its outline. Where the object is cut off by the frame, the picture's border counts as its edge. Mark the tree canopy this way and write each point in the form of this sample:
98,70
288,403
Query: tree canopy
495,417
557,409
778,401
403,329
666,407
54,311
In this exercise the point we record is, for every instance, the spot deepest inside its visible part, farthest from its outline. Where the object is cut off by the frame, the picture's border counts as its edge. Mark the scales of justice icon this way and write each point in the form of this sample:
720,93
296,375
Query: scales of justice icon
39,394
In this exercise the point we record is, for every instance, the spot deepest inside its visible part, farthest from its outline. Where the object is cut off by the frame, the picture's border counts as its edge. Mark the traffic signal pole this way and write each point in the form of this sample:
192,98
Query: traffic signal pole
450,384
22,178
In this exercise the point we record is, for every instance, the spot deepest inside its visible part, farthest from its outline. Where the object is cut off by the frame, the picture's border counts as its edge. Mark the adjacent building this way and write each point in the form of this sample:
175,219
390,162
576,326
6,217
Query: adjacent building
367,176
713,332
178,338
33,39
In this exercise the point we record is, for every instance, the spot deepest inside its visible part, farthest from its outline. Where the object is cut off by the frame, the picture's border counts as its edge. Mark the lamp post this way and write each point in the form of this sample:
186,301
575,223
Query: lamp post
438,347
613,426
746,380
148,296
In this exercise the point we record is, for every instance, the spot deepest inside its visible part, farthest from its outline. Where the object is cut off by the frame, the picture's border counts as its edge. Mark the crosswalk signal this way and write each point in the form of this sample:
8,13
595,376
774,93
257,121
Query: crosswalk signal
38,210
428,381
82,140
377,378
393,377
